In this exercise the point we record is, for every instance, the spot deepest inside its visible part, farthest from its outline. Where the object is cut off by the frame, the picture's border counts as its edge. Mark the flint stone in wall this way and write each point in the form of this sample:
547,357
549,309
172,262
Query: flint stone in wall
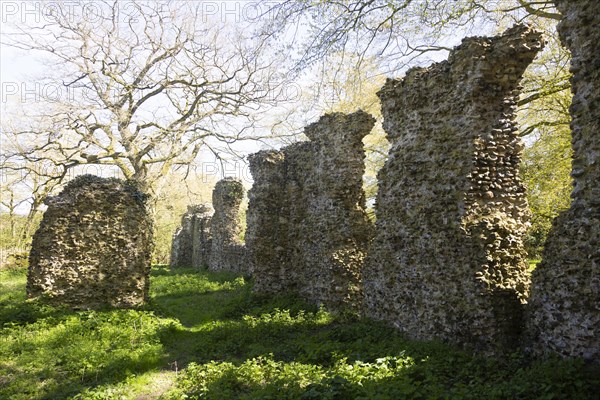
228,252
267,223
192,241
447,261
307,229
564,315
93,247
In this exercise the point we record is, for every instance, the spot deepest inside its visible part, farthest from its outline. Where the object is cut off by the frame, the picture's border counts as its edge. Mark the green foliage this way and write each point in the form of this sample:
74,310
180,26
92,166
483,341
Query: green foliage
16,260
53,353
544,119
169,204
236,344
546,173
206,335
12,238
419,370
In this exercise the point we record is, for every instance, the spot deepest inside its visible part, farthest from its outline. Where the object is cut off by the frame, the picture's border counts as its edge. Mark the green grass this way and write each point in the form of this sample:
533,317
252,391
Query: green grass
206,335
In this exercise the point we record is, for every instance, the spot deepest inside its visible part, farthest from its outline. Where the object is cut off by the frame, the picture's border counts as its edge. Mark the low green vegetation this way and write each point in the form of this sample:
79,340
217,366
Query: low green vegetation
533,263
206,335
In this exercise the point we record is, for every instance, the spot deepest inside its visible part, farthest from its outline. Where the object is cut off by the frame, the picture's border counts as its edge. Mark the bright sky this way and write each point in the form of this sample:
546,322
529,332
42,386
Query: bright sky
19,70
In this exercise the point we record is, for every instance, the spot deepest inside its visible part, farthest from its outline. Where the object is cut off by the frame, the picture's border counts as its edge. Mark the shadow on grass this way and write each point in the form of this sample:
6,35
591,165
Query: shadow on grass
390,378
58,358
229,322
312,358
235,343
15,308
236,325
52,353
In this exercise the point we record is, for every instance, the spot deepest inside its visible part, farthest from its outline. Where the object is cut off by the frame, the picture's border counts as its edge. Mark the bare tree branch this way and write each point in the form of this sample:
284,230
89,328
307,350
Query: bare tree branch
149,92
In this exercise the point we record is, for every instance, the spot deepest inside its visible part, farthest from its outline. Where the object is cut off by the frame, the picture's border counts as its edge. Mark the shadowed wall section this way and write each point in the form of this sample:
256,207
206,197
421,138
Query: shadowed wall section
192,241
308,231
565,294
267,223
447,261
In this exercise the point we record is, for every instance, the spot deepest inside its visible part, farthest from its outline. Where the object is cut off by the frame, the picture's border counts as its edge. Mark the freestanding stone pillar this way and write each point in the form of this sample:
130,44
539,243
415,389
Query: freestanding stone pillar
182,245
327,205
227,251
564,307
93,247
448,261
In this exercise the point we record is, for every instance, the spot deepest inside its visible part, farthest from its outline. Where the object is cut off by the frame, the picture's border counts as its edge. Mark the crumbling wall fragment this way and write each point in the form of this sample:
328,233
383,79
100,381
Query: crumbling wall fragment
308,231
228,252
267,223
447,261
181,246
191,243
564,315
201,235
93,247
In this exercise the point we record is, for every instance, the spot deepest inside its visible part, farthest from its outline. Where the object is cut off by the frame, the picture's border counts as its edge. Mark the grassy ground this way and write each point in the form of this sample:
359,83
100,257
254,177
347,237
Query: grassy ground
207,336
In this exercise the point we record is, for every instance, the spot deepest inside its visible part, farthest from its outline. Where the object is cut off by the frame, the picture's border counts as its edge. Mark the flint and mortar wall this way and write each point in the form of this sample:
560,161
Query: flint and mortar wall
228,252
447,261
93,247
201,236
307,229
565,294
182,245
192,242
267,223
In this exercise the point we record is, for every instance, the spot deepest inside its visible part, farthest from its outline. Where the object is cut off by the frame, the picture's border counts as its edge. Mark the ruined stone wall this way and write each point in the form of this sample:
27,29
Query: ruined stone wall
564,315
207,239
447,261
308,231
192,241
182,245
201,235
93,247
267,223
228,253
